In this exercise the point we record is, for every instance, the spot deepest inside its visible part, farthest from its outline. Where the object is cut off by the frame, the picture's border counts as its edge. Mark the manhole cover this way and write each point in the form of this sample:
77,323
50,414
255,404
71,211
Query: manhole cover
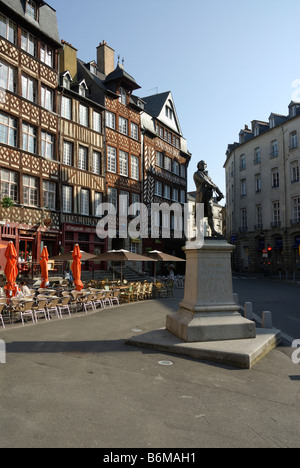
136,330
165,363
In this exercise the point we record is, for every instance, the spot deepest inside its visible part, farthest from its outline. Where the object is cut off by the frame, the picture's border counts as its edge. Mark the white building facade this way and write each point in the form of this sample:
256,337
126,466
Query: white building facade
263,194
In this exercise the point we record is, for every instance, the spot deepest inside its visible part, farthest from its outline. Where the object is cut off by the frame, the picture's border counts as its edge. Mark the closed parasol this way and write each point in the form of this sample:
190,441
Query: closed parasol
163,257
76,268
44,268
11,271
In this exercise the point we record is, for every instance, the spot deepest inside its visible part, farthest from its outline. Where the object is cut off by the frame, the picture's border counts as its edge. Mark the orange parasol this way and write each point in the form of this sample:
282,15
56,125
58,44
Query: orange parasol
76,268
11,271
44,268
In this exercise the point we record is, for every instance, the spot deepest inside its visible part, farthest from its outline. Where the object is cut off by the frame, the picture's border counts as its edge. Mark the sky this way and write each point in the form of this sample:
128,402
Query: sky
225,62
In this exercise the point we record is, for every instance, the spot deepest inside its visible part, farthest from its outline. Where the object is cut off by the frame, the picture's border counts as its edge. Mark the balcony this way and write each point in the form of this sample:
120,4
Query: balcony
276,224
295,221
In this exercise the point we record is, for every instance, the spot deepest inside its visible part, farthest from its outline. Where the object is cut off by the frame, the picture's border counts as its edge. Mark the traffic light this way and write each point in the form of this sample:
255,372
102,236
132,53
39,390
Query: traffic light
269,252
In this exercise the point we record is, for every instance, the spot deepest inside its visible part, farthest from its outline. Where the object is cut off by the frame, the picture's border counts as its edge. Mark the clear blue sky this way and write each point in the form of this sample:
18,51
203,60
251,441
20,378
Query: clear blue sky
226,62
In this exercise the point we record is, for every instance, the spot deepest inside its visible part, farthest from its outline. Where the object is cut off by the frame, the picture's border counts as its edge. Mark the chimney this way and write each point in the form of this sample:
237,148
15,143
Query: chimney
105,58
68,59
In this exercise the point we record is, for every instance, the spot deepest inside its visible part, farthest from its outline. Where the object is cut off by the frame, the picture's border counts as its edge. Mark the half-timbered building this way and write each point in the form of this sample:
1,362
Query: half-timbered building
29,163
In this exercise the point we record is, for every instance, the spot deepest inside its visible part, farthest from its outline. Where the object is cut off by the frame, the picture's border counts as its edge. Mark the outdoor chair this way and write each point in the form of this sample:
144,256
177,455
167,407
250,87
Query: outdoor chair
40,308
2,306
114,298
64,305
100,295
51,306
88,301
106,298
26,310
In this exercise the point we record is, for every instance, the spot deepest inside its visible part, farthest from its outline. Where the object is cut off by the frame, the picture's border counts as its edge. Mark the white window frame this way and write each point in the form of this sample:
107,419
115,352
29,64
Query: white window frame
123,125
29,138
158,188
98,199
29,88
167,192
28,43
134,131
66,108
168,164
123,96
97,122
295,173
47,145
8,77
8,29
8,130
83,115
47,98
159,159
112,196
83,154
110,119
68,153
31,190
135,170
67,199
49,194
85,201
96,163
123,163
296,209
293,140
32,9
9,184
46,55
111,159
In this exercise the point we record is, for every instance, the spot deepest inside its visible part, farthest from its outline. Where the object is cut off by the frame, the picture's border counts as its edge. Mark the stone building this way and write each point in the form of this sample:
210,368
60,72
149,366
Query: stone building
263,194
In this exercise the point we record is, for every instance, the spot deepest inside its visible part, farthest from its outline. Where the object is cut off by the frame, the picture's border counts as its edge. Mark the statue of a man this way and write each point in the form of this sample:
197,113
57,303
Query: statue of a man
205,189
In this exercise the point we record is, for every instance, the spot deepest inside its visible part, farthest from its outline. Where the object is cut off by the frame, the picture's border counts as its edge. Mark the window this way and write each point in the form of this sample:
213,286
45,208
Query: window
47,98
293,140
124,203
182,196
276,214
8,77
243,188
296,210
158,188
257,156
123,96
256,131
136,198
68,153
274,149
46,55
49,195
8,29
295,172
66,82
28,43
9,184
168,163
244,220
123,125
159,159
82,90
8,130
134,131
135,167
29,88
96,122
66,108
133,247
176,168
167,192
97,202
259,217
111,159
258,183
113,197
272,122
175,194
123,163
110,120
47,149
30,190
169,112
183,171
67,199
275,178
85,201
29,138
83,115
96,162
83,158
31,9
242,162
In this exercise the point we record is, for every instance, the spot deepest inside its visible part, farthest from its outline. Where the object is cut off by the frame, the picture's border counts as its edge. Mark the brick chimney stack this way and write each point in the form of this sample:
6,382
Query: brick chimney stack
105,58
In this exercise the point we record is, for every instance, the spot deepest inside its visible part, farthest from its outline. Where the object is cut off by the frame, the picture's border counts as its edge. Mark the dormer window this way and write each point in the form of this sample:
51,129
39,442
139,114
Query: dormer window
123,96
256,131
272,122
82,90
31,9
66,82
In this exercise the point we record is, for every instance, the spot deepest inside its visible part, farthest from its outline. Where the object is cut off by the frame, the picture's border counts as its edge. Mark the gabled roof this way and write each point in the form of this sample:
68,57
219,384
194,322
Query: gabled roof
155,106
120,74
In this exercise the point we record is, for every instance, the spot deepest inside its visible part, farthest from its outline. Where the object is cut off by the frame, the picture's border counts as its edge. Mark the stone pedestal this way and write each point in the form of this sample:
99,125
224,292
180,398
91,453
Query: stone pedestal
208,311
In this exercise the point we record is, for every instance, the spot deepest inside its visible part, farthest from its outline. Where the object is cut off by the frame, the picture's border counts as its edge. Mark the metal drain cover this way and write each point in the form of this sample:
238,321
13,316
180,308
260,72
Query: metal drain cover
165,363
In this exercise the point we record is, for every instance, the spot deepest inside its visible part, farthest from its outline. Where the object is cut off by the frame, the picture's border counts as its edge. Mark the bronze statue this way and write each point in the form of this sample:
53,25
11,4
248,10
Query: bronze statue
205,189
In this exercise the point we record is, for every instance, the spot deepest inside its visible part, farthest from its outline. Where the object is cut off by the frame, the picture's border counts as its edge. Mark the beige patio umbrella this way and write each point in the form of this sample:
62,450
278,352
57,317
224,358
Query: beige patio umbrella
163,257
68,256
122,256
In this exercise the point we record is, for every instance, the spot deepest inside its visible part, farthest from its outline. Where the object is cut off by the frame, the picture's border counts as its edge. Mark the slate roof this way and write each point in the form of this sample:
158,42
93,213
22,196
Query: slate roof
155,103
47,23
120,73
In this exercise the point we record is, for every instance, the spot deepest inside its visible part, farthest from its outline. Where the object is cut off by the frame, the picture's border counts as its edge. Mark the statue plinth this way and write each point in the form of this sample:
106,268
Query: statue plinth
208,311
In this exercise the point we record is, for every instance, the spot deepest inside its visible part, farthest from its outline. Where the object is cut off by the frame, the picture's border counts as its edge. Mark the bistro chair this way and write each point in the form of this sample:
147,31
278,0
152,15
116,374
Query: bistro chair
2,306
40,308
64,305
26,310
51,306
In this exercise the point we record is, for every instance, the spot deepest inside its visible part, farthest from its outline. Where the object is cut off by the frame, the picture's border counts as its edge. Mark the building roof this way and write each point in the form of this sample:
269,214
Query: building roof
120,74
47,23
155,103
